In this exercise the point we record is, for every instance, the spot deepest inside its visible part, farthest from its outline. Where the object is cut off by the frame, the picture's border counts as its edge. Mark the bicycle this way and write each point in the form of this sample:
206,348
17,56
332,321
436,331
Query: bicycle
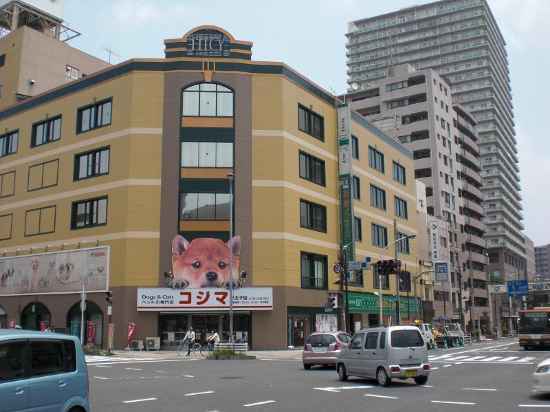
196,347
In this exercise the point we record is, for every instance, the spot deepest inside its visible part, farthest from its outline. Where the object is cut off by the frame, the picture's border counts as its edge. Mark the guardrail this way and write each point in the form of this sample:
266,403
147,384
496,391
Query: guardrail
237,347
467,339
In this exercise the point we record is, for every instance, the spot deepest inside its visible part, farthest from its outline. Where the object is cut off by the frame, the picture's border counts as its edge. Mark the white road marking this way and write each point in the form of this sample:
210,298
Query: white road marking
371,395
455,403
491,359
337,389
258,403
440,357
188,376
474,358
427,386
198,393
480,389
133,369
508,359
528,359
447,366
435,368
102,378
140,400
457,358
102,366
536,405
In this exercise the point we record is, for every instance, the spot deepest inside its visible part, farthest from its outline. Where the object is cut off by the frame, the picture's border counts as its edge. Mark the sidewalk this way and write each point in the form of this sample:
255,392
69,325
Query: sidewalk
170,354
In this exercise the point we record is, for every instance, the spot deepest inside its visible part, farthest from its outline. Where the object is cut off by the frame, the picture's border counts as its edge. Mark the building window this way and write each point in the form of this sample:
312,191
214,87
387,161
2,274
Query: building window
313,216
92,164
313,271
94,116
312,168
420,135
420,173
206,154
208,100
71,73
414,117
311,123
377,277
356,187
46,131
399,174
376,159
205,206
8,143
403,246
89,213
377,197
379,235
355,147
357,229
421,154
43,175
40,221
401,208
7,184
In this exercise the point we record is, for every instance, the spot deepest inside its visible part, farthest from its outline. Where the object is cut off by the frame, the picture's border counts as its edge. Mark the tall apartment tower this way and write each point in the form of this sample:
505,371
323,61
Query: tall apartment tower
542,261
460,39
415,107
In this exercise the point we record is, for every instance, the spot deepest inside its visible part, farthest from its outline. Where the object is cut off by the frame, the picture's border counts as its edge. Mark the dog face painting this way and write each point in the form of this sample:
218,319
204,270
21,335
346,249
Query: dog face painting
205,262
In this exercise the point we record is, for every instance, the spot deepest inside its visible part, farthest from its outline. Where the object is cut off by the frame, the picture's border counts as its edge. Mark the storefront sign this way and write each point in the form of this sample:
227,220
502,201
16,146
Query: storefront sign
344,140
207,299
434,240
539,286
441,270
208,42
55,272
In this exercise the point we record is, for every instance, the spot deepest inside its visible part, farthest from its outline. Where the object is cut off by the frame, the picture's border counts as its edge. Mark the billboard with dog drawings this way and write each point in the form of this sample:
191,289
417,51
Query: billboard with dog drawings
204,263
55,272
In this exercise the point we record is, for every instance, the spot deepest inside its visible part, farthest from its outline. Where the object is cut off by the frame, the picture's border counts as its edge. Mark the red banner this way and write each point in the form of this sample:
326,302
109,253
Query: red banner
131,331
43,326
90,332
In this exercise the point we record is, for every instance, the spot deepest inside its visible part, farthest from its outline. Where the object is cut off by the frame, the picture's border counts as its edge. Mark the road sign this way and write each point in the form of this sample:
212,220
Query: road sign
337,268
355,265
517,287
497,289
441,270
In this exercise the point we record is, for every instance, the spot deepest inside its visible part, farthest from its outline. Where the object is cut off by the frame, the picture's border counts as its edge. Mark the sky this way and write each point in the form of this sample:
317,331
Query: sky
309,36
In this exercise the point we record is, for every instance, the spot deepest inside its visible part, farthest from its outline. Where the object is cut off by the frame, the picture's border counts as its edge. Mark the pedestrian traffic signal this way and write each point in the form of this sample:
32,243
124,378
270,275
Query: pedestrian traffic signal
333,300
109,297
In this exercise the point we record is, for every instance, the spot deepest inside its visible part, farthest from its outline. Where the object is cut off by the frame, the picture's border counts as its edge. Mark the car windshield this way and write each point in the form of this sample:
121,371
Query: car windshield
406,338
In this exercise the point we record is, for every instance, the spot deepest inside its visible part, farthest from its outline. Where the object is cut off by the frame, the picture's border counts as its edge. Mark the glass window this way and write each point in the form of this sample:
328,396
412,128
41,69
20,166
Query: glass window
225,104
207,99
224,155
313,216
207,154
357,229
12,366
344,337
328,340
46,358
399,173
379,235
89,213
190,154
190,103
311,123
382,340
355,147
376,159
313,271
356,187
401,208
69,355
372,340
312,168
377,197
406,338
91,164
189,205
207,105
223,204
356,342
94,116
8,143
206,206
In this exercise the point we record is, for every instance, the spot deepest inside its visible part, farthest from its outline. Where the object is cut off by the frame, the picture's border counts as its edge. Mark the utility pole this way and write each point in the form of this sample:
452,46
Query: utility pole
82,309
398,274
231,179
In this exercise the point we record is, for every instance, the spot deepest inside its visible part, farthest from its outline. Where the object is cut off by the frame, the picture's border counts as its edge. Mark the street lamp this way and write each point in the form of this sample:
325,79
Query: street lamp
231,178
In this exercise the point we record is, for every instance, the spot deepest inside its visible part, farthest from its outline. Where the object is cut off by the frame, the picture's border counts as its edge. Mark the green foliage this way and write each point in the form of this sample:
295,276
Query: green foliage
225,354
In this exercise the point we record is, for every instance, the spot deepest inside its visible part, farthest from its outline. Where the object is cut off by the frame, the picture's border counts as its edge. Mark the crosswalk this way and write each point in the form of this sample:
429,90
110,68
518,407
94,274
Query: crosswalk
450,358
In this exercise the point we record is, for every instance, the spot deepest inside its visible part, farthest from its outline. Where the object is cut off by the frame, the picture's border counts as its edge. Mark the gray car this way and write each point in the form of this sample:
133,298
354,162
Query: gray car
385,353
322,348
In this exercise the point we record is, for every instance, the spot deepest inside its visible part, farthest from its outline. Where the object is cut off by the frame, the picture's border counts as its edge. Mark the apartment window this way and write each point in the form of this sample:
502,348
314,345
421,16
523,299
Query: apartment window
368,111
71,73
380,278
356,187
401,208
420,135
399,174
43,175
445,160
429,191
355,147
357,229
91,164
421,154
311,123
396,86
207,100
40,221
403,246
46,131
89,213
312,168
313,216
7,184
413,81
376,159
206,154
379,235
443,123
6,226
8,143
94,116
313,271
205,206
377,197
420,173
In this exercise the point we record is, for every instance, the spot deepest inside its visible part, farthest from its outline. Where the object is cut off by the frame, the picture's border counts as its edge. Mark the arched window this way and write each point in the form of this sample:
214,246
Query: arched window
92,314
208,100
35,316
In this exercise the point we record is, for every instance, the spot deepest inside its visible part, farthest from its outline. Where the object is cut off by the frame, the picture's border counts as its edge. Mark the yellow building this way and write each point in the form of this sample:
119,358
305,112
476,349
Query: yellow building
99,176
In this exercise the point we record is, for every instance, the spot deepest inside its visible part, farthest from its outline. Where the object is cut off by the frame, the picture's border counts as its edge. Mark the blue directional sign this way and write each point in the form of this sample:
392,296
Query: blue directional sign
441,270
517,287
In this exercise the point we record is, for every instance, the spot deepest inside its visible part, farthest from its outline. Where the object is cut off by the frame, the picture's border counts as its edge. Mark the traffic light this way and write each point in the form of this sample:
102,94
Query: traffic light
109,297
388,266
333,300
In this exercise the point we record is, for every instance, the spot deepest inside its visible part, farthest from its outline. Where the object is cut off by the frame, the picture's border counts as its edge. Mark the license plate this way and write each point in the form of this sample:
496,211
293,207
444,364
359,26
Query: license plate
319,349
410,374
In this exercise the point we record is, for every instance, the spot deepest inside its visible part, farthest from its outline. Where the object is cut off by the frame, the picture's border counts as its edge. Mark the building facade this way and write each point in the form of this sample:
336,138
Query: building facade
163,181
461,40
542,261
531,259
416,108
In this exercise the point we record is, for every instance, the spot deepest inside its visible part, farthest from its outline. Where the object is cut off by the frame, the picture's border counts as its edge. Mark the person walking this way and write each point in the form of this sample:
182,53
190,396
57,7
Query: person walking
189,338
213,340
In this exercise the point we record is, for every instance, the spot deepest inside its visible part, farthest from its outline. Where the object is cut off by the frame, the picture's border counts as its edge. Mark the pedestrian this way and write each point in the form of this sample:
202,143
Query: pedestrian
189,339
213,340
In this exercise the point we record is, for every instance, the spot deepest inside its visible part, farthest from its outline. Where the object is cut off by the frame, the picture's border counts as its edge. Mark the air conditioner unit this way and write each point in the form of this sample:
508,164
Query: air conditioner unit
152,343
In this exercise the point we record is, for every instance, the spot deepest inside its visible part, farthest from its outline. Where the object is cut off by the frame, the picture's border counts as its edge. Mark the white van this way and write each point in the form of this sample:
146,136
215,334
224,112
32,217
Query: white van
386,353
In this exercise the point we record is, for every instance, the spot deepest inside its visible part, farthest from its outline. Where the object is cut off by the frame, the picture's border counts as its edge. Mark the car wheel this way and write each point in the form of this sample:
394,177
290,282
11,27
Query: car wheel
421,380
307,366
342,373
382,377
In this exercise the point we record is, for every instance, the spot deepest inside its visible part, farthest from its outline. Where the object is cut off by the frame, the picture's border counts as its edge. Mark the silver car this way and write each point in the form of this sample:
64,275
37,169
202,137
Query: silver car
322,348
386,353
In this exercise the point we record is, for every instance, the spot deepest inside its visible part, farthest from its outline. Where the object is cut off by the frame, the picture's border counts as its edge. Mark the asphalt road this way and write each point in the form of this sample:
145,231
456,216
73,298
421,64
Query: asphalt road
493,376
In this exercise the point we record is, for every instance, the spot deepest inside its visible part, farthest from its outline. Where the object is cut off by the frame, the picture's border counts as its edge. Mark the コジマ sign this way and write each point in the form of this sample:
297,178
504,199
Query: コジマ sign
181,300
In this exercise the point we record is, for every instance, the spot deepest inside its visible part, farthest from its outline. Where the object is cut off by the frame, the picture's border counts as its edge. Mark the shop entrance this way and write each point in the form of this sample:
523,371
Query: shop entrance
92,314
3,318
35,316
299,327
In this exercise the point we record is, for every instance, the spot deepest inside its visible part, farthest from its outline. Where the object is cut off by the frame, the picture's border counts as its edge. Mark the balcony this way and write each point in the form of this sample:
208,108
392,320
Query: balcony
470,188
479,225
476,207
475,257
475,240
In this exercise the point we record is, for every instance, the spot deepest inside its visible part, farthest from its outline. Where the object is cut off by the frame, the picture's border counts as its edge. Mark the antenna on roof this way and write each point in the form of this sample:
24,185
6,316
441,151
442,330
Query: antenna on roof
110,53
